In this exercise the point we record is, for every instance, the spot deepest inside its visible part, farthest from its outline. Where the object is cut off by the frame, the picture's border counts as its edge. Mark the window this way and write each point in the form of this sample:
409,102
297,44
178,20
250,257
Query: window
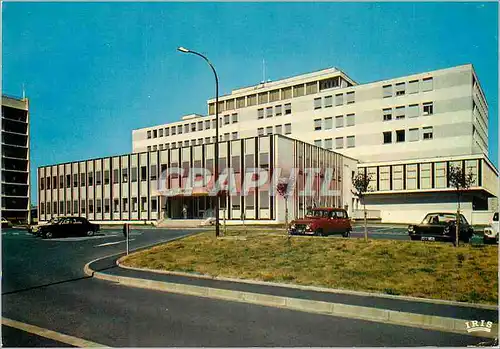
207,140
91,206
61,207
427,84
207,124
318,142
328,101
230,104
339,121
174,131
260,113
349,120
48,207
116,205
144,173
226,136
153,172
240,102
98,178
269,130
400,89
260,131
413,134
298,90
193,142
167,145
75,207
387,137
154,204
133,173
155,134
98,206
193,127
61,182
311,87
286,93
42,184
106,177
160,147
226,119
75,181
54,182
339,99
278,129
68,181
328,123
351,141
160,132
328,143
317,103
134,204
124,204
42,208
234,118
350,97
317,125
387,114
400,113
149,134
413,86
277,110
90,179
387,91
116,176
413,110
288,109
264,199
68,207
82,206
167,131
149,148
234,135
251,100
339,142
427,132
288,129
274,96
269,112
144,204
428,108
106,205
400,136
82,180
179,129
263,98
200,141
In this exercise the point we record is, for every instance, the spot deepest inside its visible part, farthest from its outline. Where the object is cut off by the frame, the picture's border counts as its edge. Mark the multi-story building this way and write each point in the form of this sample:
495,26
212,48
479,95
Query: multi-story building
402,130
15,173
133,187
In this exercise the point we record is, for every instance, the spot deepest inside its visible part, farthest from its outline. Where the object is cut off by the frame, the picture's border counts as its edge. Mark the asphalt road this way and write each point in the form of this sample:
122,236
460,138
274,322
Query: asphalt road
43,285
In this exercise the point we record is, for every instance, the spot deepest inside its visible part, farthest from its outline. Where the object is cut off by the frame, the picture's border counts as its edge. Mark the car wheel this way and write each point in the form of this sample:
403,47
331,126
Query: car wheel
48,235
90,233
346,234
319,232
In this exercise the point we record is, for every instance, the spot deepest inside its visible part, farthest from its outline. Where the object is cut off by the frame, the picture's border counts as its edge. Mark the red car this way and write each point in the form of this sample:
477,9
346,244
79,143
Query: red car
322,221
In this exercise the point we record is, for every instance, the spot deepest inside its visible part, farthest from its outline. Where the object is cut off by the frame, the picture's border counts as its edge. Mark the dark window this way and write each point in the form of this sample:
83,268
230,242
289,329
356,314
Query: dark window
400,135
98,178
42,208
144,173
83,206
387,137
68,207
48,182
153,172
116,205
106,205
42,183
91,206
125,174
61,181
82,179
54,182
61,207
154,205
75,207
91,179
98,206
106,177
133,174
68,181
116,176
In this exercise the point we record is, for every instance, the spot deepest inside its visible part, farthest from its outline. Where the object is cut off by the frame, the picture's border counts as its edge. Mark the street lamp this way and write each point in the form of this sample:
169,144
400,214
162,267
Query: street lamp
216,165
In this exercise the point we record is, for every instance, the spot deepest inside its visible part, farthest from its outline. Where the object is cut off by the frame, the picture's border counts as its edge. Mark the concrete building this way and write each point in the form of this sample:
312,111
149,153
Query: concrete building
404,127
126,188
15,174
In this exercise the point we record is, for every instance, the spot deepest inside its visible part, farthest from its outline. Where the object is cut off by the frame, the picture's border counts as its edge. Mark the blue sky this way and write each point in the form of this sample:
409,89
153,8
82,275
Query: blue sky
95,71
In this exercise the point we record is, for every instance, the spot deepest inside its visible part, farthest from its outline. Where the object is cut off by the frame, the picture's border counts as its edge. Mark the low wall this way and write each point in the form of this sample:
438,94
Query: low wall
481,217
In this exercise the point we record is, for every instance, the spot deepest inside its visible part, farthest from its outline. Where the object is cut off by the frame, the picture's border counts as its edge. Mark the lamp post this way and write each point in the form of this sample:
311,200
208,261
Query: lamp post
216,150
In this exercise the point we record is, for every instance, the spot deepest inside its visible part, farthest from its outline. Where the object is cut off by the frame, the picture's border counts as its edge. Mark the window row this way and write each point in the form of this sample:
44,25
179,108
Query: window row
192,127
410,87
414,134
200,141
277,110
83,205
412,111
340,121
350,142
327,101
280,94
278,129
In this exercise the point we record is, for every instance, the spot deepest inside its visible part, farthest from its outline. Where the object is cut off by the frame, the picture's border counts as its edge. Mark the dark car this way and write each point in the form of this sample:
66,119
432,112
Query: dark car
322,222
441,226
68,226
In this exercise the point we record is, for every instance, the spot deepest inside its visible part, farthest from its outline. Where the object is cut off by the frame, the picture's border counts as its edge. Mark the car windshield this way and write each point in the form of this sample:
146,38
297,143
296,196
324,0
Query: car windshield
439,218
317,213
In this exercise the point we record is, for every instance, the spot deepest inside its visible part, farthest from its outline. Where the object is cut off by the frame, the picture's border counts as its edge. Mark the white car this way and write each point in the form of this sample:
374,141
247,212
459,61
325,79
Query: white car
491,232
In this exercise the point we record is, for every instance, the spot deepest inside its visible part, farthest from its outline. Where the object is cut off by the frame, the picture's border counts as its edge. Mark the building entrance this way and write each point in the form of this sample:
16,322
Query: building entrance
187,207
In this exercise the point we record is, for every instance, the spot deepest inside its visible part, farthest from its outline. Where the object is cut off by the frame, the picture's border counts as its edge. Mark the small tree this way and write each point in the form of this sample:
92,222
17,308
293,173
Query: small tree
360,182
460,180
282,189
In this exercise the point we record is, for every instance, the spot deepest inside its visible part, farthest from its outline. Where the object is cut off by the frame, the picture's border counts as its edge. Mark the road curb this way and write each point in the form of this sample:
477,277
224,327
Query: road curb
326,308
310,288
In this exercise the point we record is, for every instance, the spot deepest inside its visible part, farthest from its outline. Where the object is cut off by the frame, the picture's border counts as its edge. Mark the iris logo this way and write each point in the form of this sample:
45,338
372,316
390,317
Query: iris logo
478,326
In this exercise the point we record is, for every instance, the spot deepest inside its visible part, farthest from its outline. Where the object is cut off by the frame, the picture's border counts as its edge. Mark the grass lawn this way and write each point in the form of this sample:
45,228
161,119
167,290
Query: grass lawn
412,268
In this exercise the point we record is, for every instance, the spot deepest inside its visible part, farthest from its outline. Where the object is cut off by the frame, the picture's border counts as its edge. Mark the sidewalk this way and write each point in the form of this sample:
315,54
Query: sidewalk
427,313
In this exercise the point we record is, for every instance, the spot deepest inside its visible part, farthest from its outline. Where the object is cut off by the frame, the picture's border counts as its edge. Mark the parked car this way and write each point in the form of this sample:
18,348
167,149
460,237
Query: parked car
322,222
68,226
491,232
35,229
6,223
440,226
